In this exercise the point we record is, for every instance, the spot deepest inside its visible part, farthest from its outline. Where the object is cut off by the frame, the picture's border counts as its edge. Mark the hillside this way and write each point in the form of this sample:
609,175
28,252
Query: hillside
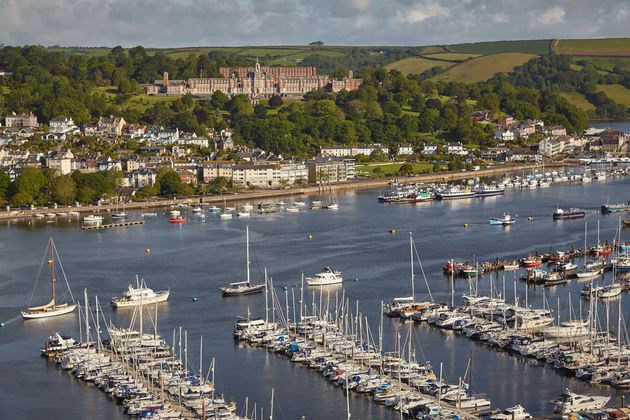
612,47
416,65
483,68
536,47
617,93
577,99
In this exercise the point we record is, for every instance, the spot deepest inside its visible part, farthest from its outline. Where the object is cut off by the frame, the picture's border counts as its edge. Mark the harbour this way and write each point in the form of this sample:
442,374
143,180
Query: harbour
196,258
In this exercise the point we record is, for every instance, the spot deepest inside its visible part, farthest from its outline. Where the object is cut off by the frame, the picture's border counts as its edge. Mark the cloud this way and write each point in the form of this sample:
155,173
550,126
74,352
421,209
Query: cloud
553,16
177,23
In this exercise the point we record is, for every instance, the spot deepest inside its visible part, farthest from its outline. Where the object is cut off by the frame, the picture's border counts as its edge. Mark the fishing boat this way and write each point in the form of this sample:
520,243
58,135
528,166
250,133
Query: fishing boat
455,193
570,402
243,287
510,266
52,308
93,218
532,262
572,213
177,219
615,208
327,277
214,209
589,270
485,190
505,220
140,294
119,215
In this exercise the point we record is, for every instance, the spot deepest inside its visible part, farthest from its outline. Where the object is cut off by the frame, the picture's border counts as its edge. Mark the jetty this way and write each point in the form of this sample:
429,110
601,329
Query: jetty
112,225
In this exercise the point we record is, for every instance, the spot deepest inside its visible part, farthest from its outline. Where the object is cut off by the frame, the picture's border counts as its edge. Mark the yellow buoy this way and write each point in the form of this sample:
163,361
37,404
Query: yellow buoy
148,250
530,218
465,225
50,261
392,231
309,237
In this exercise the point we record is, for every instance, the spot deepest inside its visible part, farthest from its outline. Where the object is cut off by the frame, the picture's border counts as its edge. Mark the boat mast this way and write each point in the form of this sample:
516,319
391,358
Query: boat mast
413,289
52,271
247,238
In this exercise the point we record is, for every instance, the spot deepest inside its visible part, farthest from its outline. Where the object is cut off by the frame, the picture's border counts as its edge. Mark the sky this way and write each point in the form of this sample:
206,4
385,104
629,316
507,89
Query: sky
178,23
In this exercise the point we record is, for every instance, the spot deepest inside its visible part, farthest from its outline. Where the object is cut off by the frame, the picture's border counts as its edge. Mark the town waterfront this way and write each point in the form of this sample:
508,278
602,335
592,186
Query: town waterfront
194,259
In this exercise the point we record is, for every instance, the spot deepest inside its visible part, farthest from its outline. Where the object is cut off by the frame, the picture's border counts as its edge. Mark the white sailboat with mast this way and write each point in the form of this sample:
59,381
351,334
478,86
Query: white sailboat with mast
52,308
243,287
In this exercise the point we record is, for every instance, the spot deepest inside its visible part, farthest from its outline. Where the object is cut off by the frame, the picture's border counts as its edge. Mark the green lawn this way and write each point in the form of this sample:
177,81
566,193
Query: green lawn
483,68
5,89
598,47
391,168
139,102
577,99
617,93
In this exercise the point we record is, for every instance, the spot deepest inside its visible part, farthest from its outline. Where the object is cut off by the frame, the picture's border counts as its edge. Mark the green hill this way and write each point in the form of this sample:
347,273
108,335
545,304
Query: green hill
577,99
536,47
613,47
416,65
483,68
617,93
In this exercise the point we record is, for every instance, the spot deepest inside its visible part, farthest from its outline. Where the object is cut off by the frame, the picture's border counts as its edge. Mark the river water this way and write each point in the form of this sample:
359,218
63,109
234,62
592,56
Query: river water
194,259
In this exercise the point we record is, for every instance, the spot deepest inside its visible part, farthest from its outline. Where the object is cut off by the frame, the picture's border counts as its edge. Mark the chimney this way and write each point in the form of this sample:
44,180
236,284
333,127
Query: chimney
165,79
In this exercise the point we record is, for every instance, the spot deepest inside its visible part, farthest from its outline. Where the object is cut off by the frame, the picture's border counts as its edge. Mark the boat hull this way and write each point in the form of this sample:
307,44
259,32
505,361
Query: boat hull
48,314
245,291
160,297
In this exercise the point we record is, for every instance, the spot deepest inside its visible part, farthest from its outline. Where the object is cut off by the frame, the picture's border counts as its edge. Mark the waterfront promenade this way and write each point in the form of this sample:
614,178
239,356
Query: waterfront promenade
260,195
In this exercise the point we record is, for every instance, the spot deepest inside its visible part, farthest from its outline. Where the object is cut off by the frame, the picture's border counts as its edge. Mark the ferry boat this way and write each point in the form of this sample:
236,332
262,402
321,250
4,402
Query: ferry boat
327,277
616,208
177,219
140,294
484,190
572,213
52,308
570,402
505,220
455,193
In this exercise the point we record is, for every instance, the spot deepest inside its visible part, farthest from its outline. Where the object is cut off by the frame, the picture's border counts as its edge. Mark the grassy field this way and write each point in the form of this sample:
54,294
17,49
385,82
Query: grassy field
536,47
391,168
416,65
617,93
619,47
608,63
577,99
4,89
483,68
451,56
138,102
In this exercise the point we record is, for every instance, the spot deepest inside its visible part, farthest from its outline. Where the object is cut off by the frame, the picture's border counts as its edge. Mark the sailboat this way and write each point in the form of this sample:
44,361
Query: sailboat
52,308
119,215
225,214
243,287
332,204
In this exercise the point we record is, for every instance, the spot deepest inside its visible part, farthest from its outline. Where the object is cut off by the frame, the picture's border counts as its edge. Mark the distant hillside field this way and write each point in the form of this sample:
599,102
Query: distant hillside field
577,99
536,47
416,65
483,68
451,56
615,47
617,93
607,63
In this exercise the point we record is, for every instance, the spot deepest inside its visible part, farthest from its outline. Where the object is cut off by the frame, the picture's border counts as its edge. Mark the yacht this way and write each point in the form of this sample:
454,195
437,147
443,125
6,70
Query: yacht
512,413
590,270
57,343
610,291
242,214
243,287
52,308
327,277
568,329
570,402
174,213
215,209
140,294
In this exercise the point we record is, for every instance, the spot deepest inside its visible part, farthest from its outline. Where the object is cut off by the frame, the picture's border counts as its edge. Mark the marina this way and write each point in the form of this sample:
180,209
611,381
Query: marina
367,242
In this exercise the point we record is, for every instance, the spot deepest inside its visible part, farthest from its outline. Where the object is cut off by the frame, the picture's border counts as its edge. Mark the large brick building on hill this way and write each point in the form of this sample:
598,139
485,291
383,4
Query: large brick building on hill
255,82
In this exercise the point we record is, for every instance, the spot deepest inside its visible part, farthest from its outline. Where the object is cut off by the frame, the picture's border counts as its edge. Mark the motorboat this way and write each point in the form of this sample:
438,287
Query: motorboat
196,210
215,209
174,213
610,291
532,262
572,213
570,402
589,270
177,219
52,308
140,294
615,208
243,214
484,190
292,209
510,266
505,220
226,216
454,193
93,218
512,413
327,277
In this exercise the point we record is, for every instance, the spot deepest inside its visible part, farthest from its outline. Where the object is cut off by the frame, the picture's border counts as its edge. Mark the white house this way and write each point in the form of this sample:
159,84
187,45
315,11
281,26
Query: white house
63,161
551,147
504,134
54,136
63,125
404,150
141,177
429,149
456,148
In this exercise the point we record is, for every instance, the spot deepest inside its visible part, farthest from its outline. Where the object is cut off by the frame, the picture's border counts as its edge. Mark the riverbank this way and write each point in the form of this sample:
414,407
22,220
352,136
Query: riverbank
261,195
